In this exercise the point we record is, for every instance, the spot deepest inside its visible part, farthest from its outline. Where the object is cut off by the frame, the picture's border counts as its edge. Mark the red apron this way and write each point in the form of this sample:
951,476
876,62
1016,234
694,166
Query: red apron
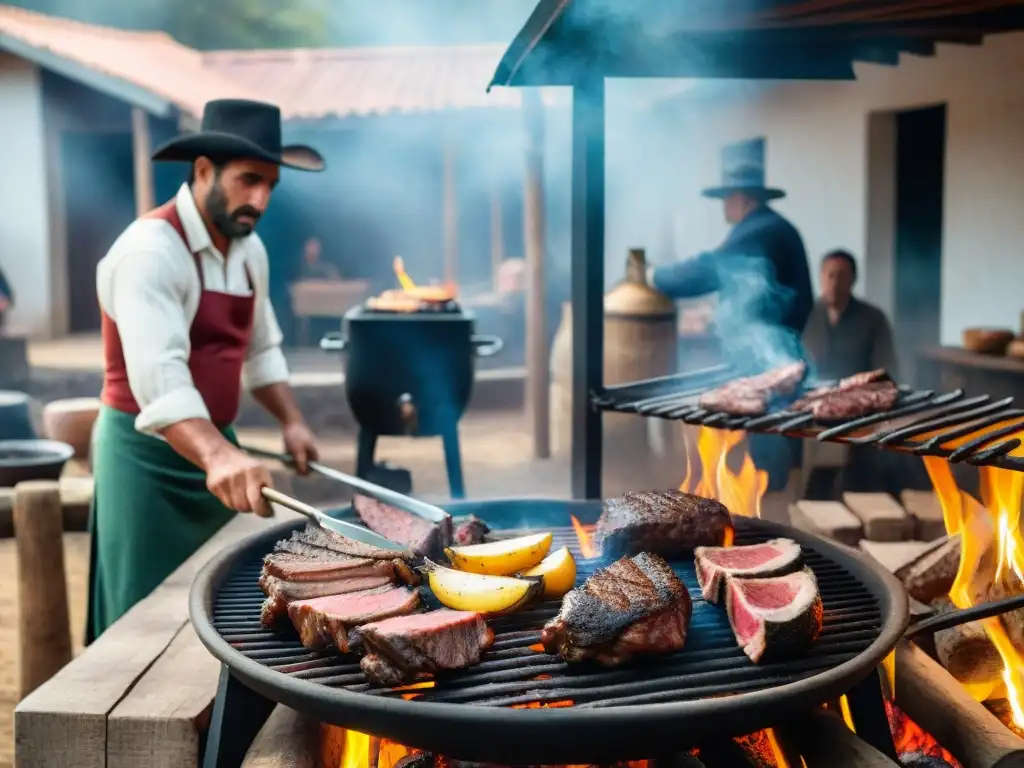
219,339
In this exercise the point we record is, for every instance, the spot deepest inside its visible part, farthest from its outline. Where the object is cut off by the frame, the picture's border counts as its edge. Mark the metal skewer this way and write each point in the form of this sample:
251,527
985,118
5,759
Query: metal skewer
374,491
350,530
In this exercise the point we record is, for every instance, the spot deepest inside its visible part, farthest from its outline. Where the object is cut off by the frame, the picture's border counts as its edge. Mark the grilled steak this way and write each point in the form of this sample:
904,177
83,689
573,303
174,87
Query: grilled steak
669,523
637,605
424,538
403,649
750,396
774,618
772,558
838,404
315,536
328,620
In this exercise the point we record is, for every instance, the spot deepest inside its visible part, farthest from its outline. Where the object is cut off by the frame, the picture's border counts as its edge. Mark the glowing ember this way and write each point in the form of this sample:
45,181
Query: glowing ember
585,535
909,738
413,687
992,553
740,491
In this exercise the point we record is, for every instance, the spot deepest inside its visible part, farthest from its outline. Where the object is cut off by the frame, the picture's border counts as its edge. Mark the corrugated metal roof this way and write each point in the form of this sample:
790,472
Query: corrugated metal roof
312,84
151,61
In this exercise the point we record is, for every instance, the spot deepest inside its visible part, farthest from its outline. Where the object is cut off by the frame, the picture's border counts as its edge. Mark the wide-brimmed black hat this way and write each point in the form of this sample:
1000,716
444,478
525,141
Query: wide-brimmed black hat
235,129
743,171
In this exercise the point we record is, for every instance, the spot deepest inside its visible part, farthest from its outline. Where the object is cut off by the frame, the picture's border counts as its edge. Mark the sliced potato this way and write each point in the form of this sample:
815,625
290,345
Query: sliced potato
558,571
501,558
492,595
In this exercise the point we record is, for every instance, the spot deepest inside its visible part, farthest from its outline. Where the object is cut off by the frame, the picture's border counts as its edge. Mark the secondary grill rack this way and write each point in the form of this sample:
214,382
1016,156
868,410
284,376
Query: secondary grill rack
710,685
923,422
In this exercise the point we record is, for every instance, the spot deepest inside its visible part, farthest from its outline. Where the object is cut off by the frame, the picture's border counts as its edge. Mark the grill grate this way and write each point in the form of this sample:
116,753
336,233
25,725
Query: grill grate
976,430
514,674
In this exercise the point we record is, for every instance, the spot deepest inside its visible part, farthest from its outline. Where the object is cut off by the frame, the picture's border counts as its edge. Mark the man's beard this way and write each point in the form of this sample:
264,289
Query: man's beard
225,221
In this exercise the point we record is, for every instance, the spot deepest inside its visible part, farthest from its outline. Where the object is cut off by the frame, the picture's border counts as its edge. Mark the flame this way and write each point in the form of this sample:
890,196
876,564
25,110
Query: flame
773,743
992,552
585,535
740,491
356,751
403,278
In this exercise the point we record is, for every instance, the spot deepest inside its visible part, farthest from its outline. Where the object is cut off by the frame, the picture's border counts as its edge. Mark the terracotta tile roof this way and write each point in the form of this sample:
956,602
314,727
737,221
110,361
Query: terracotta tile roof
358,82
152,61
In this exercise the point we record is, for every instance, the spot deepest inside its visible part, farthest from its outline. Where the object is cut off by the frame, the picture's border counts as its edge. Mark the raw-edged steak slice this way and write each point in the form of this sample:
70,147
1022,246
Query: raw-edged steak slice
280,592
774,618
772,558
328,620
424,538
636,605
404,648
668,523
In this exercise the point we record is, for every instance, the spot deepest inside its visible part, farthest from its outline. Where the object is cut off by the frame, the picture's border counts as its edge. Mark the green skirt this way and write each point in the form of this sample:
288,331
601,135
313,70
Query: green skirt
151,510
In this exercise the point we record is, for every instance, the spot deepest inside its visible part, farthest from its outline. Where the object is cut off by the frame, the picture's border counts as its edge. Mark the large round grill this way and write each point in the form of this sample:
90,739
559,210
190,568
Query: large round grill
516,703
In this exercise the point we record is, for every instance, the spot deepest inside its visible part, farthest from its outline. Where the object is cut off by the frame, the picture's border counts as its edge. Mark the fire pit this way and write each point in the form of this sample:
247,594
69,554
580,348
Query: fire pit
494,709
409,370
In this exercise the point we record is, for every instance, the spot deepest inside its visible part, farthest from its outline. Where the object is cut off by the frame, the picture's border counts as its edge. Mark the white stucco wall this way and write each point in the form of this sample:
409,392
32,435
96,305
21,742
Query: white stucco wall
24,212
818,150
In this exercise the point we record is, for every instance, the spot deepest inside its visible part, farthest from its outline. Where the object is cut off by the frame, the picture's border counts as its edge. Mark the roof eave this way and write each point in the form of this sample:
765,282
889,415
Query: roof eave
544,15
110,85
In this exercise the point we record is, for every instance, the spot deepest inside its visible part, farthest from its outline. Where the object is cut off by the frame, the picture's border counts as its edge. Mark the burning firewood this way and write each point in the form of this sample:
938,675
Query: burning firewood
824,741
1013,621
968,653
930,575
934,700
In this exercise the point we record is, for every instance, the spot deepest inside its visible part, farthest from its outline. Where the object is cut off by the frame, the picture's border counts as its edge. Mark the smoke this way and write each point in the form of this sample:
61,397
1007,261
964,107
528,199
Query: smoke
751,311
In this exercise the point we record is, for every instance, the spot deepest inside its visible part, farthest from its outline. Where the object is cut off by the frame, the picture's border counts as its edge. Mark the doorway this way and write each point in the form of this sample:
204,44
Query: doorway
920,149
99,201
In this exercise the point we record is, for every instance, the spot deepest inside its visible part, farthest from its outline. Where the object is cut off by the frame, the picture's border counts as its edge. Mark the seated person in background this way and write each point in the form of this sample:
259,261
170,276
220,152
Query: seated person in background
844,336
6,298
315,268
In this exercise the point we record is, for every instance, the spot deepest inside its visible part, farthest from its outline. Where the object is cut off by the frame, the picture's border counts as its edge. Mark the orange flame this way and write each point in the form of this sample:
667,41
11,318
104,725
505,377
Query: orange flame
585,535
992,552
740,491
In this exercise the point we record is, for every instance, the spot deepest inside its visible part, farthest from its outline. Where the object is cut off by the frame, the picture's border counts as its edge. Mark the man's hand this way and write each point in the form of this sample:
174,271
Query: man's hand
238,480
300,443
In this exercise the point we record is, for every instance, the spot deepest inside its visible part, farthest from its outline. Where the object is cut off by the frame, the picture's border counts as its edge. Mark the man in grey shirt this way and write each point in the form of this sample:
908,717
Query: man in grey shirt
845,335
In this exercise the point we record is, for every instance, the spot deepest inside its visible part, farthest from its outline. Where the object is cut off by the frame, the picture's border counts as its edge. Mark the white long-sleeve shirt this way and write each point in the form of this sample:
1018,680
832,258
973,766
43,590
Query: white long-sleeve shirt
149,286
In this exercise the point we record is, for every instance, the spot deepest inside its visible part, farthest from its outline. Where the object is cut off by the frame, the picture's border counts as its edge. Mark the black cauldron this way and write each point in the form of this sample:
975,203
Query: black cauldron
409,373
22,460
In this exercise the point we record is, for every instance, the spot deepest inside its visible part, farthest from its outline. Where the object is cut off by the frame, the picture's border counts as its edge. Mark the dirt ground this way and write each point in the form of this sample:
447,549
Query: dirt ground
497,453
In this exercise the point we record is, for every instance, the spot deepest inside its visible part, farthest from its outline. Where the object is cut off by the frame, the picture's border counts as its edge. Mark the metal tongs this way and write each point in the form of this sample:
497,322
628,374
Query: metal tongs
359,533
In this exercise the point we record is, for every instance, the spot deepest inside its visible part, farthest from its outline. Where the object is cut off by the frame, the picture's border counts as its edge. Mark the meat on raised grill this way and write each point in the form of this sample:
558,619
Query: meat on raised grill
751,396
403,649
669,523
423,537
328,620
315,563
637,605
855,396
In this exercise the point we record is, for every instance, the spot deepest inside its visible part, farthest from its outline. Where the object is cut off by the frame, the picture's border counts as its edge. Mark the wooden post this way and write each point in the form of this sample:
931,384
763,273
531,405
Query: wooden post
497,236
142,148
44,631
451,214
537,375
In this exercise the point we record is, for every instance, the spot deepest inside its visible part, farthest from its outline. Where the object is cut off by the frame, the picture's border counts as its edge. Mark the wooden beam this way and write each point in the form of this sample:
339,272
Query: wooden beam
288,740
451,213
537,371
63,723
160,721
142,149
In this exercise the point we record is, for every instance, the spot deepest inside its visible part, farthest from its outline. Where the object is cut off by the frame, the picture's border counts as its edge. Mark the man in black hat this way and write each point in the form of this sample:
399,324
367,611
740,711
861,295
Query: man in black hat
187,323
763,283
